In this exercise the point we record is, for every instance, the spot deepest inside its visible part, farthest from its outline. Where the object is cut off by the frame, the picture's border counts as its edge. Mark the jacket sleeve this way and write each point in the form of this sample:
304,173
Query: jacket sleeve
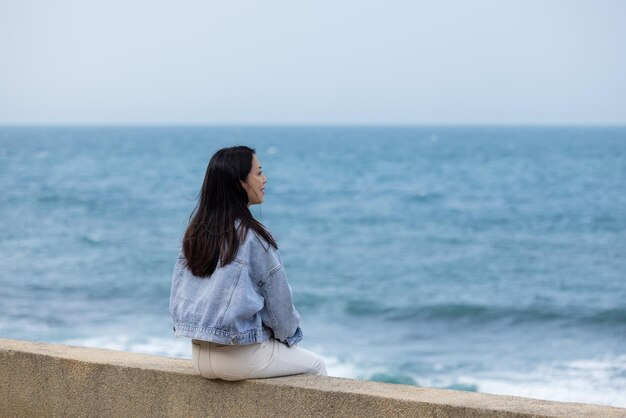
283,316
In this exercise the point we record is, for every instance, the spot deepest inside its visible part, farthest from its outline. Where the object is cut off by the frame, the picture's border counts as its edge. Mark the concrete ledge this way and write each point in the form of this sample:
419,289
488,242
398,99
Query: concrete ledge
40,379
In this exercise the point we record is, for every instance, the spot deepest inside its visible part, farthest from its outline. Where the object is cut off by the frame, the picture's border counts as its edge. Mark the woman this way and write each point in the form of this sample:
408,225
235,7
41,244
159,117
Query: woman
229,293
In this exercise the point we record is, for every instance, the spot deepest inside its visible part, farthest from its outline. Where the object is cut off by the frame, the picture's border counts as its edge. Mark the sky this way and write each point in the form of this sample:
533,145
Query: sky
303,62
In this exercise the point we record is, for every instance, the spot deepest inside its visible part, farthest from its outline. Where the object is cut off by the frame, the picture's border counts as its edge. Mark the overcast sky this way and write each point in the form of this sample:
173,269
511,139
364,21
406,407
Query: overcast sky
312,62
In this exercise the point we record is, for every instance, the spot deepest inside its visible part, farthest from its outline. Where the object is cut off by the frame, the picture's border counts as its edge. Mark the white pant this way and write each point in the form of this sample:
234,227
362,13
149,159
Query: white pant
270,358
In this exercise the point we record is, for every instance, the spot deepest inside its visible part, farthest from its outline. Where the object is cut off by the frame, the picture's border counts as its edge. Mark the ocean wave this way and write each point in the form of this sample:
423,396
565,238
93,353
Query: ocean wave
399,378
476,313
423,197
607,316
479,313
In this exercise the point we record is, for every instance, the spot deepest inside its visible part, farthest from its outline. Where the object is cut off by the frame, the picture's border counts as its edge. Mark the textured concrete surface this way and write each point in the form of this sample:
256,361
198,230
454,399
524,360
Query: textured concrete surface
40,379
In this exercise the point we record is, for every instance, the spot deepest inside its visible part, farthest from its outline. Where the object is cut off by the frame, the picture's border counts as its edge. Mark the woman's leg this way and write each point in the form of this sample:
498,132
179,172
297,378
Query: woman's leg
273,358
268,359
200,357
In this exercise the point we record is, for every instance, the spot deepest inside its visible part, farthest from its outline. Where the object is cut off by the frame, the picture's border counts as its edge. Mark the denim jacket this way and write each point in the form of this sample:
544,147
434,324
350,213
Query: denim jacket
247,301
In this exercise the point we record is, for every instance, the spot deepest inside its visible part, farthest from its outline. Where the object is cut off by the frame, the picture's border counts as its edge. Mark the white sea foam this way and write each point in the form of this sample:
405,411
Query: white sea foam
171,347
339,367
598,381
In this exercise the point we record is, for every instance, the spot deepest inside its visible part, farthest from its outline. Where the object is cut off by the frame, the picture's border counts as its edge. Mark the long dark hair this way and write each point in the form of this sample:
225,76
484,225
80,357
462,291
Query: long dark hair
211,237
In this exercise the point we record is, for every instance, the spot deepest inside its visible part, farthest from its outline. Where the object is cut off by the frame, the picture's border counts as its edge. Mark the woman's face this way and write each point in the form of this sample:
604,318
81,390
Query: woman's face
255,183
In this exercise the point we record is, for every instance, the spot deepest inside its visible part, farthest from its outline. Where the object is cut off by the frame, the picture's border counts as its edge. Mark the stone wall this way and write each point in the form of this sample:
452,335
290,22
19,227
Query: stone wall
40,379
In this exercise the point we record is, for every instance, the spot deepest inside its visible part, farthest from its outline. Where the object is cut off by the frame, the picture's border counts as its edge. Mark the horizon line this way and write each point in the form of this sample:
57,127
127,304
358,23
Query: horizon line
305,125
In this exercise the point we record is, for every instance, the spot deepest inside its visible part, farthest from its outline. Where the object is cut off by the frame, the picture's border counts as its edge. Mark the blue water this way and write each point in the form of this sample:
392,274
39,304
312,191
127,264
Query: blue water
488,259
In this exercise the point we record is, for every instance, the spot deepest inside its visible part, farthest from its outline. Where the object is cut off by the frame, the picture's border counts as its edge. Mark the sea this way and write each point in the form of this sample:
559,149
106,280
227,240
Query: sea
476,258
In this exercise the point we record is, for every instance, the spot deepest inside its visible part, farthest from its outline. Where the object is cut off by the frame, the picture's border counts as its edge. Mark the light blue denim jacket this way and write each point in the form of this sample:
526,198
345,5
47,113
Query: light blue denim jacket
247,301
